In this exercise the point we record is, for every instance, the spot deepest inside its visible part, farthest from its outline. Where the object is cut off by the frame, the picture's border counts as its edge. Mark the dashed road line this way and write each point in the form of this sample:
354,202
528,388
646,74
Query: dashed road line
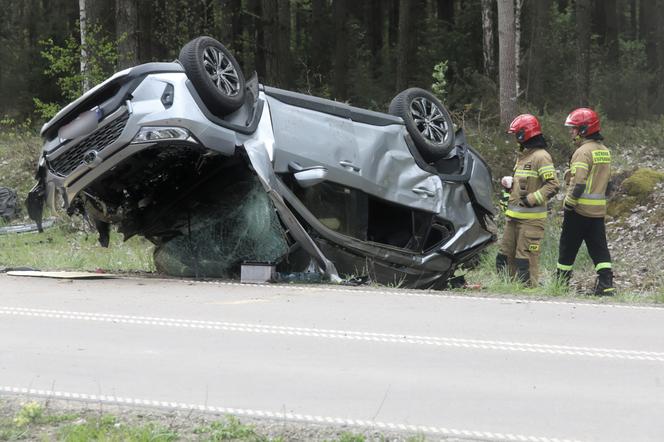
605,353
278,415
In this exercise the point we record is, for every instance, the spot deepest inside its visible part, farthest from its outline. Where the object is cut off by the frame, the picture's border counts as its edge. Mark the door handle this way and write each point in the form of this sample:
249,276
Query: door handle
424,192
349,165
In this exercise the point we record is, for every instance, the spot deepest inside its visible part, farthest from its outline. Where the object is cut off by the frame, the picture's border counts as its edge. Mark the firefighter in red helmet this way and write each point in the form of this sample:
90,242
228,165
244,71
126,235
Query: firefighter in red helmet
585,201
534,182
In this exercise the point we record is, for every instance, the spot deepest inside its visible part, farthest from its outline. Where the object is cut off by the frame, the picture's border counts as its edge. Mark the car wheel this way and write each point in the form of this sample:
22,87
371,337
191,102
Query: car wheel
215,74
428,122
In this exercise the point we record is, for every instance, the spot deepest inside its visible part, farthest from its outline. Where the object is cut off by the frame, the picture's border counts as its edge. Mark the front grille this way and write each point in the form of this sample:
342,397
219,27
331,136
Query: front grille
65,163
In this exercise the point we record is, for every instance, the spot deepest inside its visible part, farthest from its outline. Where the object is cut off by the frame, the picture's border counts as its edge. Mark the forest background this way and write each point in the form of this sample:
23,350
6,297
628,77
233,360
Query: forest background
608,54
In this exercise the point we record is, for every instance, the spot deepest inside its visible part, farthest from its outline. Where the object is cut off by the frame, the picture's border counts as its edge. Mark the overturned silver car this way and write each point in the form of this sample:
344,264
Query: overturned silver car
216,170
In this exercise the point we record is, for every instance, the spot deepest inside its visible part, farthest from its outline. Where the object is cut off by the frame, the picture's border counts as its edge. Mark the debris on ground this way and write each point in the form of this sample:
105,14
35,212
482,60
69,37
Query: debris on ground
9,207
25,228
61,275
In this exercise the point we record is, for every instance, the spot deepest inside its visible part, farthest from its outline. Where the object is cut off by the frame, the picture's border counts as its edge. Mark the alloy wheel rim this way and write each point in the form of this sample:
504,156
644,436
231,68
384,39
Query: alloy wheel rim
429,120
220,70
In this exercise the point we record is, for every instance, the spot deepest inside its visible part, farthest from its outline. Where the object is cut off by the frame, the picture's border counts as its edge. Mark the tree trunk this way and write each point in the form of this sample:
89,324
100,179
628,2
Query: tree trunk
284,44
611,41
633,20
270,18
232,27
374,20
83,20
659,97
255,35
648,25
340,84
404,45
517,44
126,25
488,38
298,32
393,23
537,53
506,59
319,58
445,12
583,19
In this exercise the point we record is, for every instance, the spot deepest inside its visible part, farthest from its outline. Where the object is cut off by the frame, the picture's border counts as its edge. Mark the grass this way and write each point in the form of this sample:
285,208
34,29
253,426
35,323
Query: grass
230,429
583,278
109,428
66,247
35,421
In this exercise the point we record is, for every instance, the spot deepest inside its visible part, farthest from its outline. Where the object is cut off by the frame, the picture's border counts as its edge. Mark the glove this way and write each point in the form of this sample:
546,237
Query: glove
507,182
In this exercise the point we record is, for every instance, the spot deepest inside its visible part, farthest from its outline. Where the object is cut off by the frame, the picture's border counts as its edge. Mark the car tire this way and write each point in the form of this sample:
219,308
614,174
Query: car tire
215,74
428,122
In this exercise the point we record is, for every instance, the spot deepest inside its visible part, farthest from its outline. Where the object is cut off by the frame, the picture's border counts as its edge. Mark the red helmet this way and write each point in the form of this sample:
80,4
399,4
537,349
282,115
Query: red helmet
585,119
525,126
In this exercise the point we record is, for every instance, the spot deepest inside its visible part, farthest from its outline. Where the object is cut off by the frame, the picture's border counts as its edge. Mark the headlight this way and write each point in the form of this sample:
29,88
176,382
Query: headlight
152,134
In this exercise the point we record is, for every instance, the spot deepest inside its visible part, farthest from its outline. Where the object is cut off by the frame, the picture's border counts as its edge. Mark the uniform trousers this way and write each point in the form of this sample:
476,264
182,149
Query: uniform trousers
577,229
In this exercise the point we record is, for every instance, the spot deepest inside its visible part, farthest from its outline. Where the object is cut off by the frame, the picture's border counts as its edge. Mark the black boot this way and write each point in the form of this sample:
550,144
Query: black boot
564,277
522,270
604,285
501,263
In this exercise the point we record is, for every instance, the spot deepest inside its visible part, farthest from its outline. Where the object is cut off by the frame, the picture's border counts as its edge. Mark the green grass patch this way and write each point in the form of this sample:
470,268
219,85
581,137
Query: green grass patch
64,247
34,421
486,277
230,429
109,428
29,420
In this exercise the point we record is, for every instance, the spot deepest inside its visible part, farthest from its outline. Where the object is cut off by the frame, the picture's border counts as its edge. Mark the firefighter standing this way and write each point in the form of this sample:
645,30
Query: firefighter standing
533,184
585,201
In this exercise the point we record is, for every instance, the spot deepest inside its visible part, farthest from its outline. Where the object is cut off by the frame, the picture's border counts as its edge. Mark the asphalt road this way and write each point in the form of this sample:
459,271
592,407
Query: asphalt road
444,365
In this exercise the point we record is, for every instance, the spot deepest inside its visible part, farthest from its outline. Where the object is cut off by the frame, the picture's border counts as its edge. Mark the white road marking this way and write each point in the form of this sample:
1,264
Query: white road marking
606,353
279,415
405,292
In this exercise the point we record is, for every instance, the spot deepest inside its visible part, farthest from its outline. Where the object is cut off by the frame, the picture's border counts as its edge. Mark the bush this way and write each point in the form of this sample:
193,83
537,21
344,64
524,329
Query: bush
642,182
64,65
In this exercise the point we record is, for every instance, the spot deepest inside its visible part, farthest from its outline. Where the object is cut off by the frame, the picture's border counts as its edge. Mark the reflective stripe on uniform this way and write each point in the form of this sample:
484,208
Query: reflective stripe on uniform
592,199
525,173
602,265
521,215
538,196
564,267
547,172
580,165
519,212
